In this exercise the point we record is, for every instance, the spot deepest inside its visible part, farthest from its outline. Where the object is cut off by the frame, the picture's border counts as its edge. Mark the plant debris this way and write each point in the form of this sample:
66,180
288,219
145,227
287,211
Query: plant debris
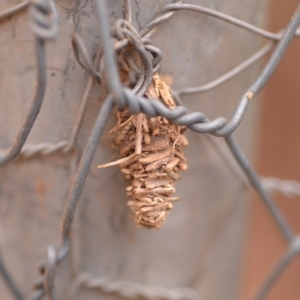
151,157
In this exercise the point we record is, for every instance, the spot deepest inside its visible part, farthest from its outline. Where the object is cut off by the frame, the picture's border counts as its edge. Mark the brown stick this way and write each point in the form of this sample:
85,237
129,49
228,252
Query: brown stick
139,133
117,162
155,156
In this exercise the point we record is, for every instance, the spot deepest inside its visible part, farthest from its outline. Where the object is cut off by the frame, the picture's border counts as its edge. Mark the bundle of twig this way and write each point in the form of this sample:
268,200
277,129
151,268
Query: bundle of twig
151,151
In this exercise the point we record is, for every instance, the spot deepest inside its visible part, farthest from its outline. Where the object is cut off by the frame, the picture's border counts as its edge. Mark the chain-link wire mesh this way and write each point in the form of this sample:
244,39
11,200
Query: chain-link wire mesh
114,39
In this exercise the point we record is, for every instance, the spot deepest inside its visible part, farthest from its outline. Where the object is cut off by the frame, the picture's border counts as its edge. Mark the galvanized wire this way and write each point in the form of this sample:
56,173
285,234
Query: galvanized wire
129,289
289,188
292,251
85,62
44,26
114,41
229,75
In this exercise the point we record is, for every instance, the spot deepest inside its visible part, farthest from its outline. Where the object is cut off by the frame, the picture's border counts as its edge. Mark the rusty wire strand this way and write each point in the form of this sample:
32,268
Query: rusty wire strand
81,174
15,148
43,28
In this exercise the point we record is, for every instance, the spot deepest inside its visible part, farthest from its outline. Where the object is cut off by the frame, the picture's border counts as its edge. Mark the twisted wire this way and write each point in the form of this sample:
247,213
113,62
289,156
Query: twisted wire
228,128
171,7
149,29
50,272
287,187
46,148
44,284
169,10
195,121
44,19
131,290
30,150
147,63
125,97
44,24
122,29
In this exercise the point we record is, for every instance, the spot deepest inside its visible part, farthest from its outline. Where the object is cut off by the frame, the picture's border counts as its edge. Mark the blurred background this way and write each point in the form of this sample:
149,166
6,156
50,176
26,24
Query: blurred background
30,215
277,155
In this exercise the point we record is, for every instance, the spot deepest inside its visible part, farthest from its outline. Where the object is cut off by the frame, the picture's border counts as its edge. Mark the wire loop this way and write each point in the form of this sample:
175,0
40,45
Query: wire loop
44,19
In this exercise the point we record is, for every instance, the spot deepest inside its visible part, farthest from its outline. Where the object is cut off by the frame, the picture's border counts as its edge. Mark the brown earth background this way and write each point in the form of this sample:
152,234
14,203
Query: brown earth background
277,155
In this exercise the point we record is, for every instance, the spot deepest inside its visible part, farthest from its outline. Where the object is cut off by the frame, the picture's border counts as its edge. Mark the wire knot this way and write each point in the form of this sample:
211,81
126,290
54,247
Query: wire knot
44,19
45,284
137,58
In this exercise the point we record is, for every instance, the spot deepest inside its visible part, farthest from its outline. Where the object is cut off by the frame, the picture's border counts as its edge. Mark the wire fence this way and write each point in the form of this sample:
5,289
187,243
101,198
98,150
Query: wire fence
44,20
